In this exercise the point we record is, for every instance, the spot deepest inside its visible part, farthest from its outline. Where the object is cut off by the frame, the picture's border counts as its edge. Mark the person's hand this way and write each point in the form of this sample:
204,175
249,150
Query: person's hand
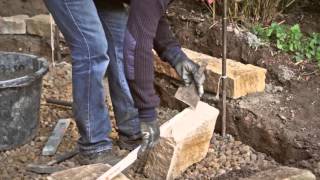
150,136
189,72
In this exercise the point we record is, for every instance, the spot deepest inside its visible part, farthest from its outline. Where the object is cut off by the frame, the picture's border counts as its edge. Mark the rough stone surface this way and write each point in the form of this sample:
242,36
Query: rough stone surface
89,172
25,44
242,79
14,7
13,25
283,173
184,142
39,25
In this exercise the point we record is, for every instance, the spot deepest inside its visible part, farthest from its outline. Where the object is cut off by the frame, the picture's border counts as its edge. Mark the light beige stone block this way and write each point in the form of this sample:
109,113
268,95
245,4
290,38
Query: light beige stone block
13,25
39,25
184,141
242,79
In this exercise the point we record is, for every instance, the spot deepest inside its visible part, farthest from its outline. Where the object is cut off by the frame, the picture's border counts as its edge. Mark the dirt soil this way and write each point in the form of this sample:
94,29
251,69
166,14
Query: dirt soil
225,154
283,122
288,113
15,7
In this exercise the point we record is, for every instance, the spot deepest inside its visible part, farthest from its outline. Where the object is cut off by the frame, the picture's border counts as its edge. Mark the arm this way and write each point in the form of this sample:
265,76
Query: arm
169,50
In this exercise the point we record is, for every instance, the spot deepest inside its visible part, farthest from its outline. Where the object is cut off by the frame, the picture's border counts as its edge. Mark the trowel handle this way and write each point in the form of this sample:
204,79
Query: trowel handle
201,69
63,157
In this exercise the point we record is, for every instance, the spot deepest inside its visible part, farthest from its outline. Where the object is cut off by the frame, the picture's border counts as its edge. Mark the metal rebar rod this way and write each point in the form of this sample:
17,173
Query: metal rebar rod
224,67
57,44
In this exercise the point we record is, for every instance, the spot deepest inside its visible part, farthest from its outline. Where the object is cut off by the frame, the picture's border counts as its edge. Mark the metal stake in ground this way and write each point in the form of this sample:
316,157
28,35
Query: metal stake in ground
224,67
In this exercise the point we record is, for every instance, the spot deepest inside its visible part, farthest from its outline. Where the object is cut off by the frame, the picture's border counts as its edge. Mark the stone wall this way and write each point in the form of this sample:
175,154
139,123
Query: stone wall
21,33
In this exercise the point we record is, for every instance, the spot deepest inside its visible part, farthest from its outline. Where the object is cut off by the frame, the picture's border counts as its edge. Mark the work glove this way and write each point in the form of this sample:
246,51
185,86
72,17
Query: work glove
150,136
189,72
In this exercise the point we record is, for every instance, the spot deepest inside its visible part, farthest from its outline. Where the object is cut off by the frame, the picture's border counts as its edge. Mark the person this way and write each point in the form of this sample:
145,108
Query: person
147,28
95,35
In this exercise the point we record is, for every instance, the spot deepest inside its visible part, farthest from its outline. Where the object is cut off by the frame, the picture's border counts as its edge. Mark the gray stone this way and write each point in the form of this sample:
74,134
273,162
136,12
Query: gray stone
13,25
285,74
254,157
283,173
39,25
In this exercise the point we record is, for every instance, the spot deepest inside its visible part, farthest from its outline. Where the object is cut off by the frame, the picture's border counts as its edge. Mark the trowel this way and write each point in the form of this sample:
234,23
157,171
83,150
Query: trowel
189,94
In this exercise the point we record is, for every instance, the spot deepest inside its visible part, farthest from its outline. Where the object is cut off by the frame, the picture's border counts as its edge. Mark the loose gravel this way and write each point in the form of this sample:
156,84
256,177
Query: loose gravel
225,156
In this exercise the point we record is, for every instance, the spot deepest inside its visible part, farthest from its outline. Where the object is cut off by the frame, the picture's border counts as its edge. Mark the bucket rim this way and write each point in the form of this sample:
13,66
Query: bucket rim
29,78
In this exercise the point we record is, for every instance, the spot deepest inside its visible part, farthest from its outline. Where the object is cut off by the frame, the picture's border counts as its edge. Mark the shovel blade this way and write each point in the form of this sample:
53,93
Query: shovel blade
188,95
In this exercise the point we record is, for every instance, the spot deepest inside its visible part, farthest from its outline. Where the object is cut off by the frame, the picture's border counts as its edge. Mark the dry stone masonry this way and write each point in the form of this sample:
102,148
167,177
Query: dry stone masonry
38,25
26,34
13,25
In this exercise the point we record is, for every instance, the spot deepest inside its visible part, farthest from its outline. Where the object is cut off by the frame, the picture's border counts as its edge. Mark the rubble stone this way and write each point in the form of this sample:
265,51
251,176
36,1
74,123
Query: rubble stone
39,25
13,25
283,173
184,141
242,79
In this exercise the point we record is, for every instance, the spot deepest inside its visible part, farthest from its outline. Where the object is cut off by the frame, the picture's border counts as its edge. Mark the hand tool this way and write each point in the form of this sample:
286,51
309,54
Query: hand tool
49,168
189,94
56,137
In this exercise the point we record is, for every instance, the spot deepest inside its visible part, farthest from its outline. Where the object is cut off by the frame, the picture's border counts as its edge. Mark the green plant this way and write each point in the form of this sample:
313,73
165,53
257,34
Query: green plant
291,40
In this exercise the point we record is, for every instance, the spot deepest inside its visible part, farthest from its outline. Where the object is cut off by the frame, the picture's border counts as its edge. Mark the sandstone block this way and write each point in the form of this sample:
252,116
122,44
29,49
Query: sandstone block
242,79
13,25
39,25
89,172
283,173
184,141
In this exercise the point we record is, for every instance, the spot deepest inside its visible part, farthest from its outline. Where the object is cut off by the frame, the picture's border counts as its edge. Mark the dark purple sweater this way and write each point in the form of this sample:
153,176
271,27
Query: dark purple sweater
147,29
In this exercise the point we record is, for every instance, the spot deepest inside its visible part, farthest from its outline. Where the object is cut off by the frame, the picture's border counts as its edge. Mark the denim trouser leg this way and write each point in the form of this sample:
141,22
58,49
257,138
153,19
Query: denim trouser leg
114,20
79,22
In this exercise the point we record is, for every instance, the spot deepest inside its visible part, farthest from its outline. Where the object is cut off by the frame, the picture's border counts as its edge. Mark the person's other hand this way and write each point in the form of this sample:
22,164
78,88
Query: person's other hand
150,136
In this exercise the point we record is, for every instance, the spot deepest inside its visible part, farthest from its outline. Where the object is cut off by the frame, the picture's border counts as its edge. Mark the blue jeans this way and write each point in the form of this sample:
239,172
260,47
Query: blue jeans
88,34
114,20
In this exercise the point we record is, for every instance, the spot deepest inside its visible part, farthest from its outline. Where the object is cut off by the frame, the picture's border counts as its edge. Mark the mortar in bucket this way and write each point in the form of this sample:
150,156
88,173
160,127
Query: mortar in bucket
20,92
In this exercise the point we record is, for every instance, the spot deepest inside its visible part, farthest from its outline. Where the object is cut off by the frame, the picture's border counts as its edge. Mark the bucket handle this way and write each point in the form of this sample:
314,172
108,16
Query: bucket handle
27,79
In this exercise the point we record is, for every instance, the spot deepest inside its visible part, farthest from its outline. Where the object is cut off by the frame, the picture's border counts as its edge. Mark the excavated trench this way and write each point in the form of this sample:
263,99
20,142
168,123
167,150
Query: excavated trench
283,121
268,122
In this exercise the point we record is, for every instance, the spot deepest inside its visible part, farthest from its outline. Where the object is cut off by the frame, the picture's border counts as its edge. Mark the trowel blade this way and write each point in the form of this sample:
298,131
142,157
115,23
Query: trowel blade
188,95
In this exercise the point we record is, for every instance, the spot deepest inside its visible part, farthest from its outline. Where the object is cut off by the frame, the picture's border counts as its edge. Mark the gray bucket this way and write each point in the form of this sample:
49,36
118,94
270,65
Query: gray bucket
20,92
